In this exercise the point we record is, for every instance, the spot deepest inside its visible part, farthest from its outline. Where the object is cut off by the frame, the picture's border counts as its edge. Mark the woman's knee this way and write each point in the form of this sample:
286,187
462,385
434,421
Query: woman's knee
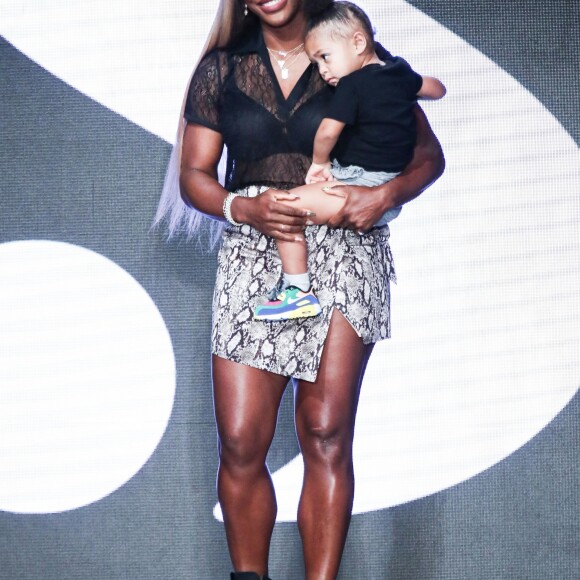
242,447
246,402
327,443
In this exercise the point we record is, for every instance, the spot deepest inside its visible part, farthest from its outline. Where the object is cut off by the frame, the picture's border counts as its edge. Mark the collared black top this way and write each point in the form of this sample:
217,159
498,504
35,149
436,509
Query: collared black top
269,139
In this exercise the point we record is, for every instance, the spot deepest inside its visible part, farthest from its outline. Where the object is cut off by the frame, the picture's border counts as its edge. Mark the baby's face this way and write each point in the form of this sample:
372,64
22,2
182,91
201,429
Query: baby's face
335,57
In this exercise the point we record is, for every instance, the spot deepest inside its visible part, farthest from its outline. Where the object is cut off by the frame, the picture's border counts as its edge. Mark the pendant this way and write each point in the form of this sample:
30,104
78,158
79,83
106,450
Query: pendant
284,73
281,63
282,53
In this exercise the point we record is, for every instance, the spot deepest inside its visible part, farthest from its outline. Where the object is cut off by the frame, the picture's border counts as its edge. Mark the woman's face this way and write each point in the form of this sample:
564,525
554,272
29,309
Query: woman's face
275,13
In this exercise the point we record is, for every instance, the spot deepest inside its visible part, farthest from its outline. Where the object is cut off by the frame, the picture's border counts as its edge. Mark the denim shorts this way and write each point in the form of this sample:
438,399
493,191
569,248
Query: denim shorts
355,175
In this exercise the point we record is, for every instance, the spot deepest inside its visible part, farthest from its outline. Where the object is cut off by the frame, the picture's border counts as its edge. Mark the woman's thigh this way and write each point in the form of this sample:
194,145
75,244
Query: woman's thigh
313,198
246,402
326,408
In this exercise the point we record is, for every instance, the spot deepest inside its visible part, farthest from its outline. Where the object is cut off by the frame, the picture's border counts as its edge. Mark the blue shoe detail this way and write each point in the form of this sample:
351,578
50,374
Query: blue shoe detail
291,302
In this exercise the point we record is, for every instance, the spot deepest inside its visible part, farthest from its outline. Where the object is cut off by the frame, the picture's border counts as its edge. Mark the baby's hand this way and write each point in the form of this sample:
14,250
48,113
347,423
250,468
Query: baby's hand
319,172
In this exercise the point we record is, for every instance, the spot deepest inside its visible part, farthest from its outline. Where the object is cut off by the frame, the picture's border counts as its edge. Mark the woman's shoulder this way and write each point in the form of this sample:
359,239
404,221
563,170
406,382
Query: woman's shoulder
215,57
213,65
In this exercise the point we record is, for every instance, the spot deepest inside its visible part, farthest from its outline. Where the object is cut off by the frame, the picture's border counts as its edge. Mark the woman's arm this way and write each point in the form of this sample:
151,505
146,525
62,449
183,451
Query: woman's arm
202,149
365,205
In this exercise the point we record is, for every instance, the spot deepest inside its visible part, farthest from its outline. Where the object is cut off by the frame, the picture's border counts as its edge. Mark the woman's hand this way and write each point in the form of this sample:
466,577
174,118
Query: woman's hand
362,207
365,205
202,149
267,214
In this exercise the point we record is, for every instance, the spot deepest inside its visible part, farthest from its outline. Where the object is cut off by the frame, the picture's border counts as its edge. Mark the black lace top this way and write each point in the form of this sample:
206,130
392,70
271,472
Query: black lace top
269,138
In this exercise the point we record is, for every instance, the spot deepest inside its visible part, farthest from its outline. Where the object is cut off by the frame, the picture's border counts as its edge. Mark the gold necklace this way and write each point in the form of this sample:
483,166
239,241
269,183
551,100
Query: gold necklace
287,60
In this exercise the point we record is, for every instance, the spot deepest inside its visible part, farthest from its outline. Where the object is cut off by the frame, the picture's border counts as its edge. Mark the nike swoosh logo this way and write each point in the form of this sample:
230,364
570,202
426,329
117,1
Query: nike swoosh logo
294,300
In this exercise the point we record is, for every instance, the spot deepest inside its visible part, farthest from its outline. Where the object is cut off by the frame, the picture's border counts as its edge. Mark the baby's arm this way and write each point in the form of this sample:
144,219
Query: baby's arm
432,89
324,142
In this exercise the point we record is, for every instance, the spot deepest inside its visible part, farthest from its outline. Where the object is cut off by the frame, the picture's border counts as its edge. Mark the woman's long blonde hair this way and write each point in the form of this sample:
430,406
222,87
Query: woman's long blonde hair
228,25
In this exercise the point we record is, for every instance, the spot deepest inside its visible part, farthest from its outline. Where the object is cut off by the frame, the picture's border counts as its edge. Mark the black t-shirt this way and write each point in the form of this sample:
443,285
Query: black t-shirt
269,138
376,103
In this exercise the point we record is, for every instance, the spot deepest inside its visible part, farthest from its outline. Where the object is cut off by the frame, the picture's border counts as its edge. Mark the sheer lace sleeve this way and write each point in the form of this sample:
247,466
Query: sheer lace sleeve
204,94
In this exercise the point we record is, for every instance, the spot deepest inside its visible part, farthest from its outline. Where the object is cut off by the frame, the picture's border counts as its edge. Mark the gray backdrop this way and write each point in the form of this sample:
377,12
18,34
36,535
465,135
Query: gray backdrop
517,520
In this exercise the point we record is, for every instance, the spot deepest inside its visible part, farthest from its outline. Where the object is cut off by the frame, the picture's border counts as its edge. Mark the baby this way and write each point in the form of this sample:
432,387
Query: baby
369,129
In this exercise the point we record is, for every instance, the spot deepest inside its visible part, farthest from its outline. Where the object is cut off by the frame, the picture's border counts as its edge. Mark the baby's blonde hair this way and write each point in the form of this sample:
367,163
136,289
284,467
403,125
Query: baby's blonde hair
342,20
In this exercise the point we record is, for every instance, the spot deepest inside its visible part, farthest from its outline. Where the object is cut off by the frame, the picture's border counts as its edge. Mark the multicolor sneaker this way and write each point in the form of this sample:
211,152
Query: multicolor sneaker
291,302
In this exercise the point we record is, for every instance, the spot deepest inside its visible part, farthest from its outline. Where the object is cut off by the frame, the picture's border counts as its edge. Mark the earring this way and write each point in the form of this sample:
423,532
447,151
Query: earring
245,9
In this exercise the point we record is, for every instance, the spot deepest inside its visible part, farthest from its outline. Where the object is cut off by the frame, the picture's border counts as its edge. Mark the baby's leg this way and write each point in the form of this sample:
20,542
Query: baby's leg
313,197
297,300
294,255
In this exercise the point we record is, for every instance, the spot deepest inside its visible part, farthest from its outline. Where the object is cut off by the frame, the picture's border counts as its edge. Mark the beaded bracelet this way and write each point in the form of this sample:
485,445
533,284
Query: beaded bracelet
228,208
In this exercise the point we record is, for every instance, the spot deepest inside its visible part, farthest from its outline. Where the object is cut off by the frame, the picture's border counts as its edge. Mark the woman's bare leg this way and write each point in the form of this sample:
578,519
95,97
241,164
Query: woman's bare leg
294,255
325,418
246,402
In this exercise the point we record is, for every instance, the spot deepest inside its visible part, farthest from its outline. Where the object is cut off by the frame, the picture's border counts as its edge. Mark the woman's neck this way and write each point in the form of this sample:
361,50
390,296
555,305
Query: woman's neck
285,37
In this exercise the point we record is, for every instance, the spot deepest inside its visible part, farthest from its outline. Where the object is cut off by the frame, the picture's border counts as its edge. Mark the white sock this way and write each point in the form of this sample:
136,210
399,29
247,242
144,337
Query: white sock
301,281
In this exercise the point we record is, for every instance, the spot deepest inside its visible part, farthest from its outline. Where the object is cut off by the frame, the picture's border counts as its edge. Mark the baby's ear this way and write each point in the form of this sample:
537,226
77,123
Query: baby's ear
360,42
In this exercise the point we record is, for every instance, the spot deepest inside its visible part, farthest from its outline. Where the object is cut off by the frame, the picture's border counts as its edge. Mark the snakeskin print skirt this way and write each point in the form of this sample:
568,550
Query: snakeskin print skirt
350,272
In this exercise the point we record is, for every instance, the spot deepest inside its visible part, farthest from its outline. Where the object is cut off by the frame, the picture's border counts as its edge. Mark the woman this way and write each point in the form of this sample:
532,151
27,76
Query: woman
260,96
